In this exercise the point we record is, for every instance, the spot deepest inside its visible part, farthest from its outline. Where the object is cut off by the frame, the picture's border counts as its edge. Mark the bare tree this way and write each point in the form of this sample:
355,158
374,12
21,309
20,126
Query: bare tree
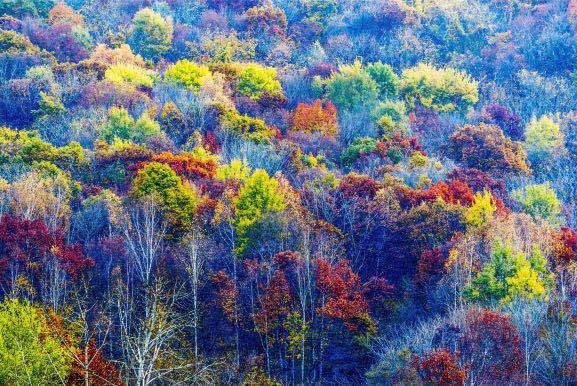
147,331
193,260
143,234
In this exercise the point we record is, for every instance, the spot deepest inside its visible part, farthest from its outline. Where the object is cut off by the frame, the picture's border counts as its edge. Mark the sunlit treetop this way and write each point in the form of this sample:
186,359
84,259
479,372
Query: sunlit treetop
444,90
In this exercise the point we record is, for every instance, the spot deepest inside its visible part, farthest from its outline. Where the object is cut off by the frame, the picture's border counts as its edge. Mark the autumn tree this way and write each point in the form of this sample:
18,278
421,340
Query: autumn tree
344,297
541,202
187,74
490,348
543,138
486,148
29,351
316,118
511,275
255,80
352,87
259,198
150,34
440,367
444,90
177,200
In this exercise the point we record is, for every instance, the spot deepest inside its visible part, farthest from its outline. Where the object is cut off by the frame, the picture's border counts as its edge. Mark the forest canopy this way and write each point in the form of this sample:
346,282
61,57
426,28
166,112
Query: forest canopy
288,192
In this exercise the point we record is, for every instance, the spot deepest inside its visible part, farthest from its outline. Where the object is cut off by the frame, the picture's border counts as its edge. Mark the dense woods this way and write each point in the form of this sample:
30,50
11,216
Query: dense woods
288,192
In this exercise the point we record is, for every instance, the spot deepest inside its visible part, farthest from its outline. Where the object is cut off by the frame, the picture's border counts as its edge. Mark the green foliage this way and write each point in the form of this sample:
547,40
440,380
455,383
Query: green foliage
352,88
121,125
237,170
49,105
20,8
251,128
150,34
27,147
509,276
254,80
259,197
358,147
444,90
222,48
30,353
394,109
131,75
482,209
543,137
188,74
541,202
390,117
385,77
145,128
13,43
177,201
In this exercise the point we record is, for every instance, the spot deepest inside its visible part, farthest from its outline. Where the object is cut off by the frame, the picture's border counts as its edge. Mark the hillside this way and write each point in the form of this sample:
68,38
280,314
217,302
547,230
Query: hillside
288,192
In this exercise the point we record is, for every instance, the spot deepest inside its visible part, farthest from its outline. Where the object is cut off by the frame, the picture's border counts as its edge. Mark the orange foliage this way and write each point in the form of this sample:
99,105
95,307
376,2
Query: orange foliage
440,367
187,165
63,14
227,295
454,192
100,370
314,118
565,249
345,299
275,303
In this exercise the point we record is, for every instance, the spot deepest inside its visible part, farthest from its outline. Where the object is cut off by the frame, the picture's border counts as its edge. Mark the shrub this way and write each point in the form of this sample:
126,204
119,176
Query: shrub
444,90
131,75
150,34
188,74
316,118
387,80
541,202
254,80
352,88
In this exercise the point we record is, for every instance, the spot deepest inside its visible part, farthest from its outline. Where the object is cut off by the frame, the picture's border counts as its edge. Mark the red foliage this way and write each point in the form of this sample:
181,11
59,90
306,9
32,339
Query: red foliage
454,192
440,367
275,303
478,181
431,266
398,146
565,247
288,259
316,118
266,19
29,245
486,148
71,257
23,240
344,294
491,348
377,288
186,165
211,142
30,242
94,366
357,185
227,295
